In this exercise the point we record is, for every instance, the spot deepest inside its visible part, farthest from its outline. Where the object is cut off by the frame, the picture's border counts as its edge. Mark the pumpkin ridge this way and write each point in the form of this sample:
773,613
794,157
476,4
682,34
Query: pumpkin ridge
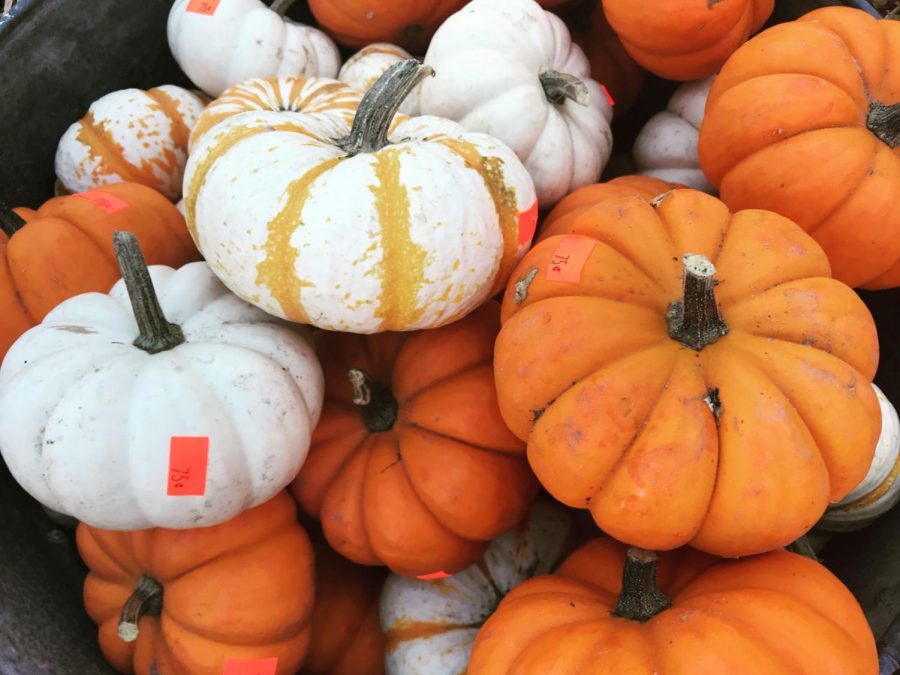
100,544
367,446
410,397
17,296
483,448
112,159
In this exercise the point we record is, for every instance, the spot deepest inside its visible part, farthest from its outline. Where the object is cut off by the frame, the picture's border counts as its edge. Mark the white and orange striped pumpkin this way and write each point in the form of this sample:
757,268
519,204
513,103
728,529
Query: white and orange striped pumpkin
364,68
365,233
279,94
130,135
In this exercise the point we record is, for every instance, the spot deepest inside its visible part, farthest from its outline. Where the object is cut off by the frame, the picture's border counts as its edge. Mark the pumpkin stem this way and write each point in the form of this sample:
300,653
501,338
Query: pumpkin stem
640,599
10,221
695,320
280,7
156,334
884,122
560,86
376,402
147,600
377,109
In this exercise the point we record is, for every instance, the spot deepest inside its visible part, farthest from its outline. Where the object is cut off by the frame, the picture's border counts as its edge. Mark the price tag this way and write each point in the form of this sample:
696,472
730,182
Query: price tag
188,457
528,223
569,258
251,666
105,200
608,95
434,575
207,7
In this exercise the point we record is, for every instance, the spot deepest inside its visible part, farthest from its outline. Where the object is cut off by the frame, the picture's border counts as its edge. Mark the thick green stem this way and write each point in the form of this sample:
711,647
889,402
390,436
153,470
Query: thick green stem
640,599
377,109
146,600
560,86
280,7
376,402
695,320
10,221
156,334
884,122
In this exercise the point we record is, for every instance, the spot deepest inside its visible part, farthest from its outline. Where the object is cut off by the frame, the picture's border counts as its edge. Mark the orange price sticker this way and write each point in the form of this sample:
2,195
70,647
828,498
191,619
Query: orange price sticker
207,7
569,258
528,223
608,95
188,456
251,666
433,576
106,201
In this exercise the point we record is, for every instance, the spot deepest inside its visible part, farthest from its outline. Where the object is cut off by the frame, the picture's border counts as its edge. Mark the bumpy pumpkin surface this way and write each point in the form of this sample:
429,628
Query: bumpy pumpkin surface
804,120
687,374
778,614
685,39
422,473
242,590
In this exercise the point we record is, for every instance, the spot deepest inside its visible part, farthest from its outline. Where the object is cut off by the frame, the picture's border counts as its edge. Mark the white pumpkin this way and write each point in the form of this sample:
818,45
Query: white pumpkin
364,68
234,40
666,148
130,135
431,624
88,418
508,68
350,230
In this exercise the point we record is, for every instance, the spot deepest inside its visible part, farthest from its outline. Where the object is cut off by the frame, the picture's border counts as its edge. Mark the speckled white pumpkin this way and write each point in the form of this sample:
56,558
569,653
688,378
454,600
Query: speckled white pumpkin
666,147
130,135
86,417
431,625
361,235
243,39
362,70
508,68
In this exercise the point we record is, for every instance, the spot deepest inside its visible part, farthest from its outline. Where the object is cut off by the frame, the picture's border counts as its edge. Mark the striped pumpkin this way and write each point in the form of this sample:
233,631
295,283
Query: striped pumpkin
359,234
130,135
364,68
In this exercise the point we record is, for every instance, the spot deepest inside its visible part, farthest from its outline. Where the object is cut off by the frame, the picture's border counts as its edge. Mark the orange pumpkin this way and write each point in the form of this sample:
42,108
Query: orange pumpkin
685,39
346,637
408,23
687,374
603,612
411,466
804,120
65,249
188,601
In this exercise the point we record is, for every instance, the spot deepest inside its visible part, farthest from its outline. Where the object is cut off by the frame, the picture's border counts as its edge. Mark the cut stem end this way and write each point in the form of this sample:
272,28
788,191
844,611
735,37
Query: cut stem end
376,402
146,600
640,599
695,320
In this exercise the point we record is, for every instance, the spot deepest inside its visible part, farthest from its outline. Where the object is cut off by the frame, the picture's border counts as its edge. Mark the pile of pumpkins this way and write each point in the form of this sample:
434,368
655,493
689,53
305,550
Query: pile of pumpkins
388,303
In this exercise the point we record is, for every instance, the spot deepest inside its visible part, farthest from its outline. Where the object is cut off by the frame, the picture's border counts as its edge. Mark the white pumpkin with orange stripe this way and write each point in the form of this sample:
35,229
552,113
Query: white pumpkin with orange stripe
364,68
364,233
219,43
279,94
130,135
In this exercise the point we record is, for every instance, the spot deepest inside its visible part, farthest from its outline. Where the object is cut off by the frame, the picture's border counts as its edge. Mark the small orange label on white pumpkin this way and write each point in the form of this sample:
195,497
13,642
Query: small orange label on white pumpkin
251,666
528,223
105,200
569,258
207,7
188,457
434,575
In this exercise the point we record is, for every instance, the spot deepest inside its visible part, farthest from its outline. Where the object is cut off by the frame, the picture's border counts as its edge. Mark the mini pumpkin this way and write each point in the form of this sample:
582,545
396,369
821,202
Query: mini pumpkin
364,68
64,248
411,465
509,68
605,612
218,44
113,415
687,374
349,229
805,121
190,601
130,135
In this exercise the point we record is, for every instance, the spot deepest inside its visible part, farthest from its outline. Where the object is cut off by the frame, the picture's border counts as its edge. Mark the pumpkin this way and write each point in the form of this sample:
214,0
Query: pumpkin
364,68
65,249
278,94
431,624
130,135
220,43
349,229
666,146
509,68
605,611
805,121
113,415
687,374
411,465
408,23
190,601
346,638
685,39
